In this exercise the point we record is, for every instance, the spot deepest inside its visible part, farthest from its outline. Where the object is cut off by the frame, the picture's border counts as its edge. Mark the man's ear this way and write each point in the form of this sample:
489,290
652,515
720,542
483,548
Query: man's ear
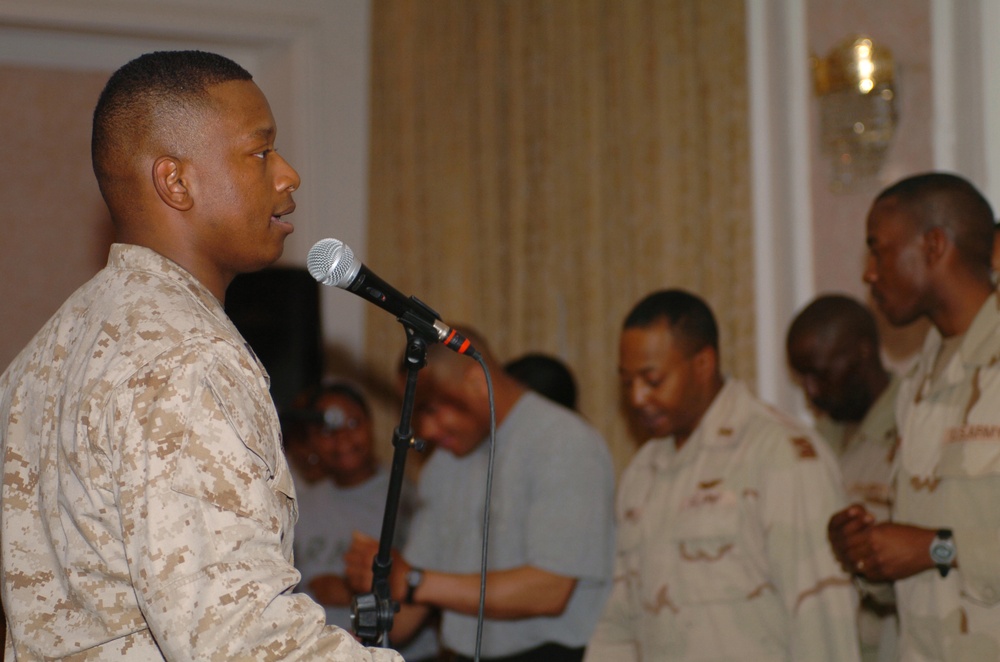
865,348
936,244
706,362
170,185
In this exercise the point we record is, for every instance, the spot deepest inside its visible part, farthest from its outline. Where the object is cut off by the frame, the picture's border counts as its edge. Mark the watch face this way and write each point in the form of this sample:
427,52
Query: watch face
942,551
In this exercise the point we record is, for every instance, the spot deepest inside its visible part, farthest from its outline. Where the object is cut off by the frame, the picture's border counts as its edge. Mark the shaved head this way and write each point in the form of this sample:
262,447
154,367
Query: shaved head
446,363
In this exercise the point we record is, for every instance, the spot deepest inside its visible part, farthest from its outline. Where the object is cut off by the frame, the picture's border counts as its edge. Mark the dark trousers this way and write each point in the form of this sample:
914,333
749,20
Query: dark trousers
544,653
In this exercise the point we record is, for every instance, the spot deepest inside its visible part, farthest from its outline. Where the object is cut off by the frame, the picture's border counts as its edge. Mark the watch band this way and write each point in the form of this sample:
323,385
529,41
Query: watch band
943,551
413,579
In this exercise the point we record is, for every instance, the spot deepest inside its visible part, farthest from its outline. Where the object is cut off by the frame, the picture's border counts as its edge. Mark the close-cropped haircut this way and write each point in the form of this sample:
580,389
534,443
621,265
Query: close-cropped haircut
950,202
835,312
146,95
546,375
688,316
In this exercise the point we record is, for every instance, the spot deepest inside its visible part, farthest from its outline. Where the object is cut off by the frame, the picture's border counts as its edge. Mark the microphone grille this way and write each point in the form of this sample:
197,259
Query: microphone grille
329,261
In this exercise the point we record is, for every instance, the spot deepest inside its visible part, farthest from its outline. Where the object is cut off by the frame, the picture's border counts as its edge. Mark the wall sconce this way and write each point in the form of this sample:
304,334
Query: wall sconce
857,100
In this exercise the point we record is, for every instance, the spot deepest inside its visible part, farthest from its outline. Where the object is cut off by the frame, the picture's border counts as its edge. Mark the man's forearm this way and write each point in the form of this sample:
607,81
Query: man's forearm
510,594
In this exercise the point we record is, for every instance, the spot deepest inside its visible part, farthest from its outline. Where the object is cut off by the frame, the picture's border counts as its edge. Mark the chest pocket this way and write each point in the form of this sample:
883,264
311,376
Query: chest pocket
971,451
711,563
969,469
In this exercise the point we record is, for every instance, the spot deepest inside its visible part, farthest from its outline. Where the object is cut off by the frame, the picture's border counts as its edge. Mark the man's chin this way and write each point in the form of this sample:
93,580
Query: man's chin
658,432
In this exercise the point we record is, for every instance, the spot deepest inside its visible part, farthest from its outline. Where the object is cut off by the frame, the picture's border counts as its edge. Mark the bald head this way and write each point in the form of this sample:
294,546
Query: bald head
446,363
452,408
151,107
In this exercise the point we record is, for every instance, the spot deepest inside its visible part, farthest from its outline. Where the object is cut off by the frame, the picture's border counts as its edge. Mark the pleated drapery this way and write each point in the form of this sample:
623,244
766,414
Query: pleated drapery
537,166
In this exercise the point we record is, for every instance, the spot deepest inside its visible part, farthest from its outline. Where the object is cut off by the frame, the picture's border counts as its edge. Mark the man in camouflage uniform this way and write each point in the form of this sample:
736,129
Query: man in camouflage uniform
929,238
833,347
147,507
721,550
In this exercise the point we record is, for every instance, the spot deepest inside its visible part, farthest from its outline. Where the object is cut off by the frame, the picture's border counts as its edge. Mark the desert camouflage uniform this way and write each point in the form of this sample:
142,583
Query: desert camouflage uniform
147,508
948,476
722,550
865,453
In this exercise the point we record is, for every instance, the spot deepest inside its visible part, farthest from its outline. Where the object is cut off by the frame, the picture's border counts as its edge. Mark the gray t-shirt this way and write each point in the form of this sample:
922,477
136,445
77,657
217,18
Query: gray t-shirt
552,508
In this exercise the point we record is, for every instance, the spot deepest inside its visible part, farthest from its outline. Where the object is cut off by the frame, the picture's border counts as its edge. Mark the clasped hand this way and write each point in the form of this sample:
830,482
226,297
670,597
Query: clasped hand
878,551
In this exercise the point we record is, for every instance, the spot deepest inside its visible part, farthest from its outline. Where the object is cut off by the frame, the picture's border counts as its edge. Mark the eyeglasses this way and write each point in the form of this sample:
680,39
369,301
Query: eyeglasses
335,419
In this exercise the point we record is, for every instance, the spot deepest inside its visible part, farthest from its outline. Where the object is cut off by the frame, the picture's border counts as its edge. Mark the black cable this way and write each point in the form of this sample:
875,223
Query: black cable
486,509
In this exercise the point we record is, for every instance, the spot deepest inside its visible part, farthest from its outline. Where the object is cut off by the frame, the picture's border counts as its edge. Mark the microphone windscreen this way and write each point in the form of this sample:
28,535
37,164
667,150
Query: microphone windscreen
330,262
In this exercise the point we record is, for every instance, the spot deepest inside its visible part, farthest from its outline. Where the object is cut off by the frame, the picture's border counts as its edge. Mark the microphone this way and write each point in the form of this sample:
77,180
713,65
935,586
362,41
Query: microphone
332,262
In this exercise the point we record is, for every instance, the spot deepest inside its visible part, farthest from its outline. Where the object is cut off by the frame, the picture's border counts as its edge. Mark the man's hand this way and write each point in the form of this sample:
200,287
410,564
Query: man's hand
848,531
358,560
331,591
878,552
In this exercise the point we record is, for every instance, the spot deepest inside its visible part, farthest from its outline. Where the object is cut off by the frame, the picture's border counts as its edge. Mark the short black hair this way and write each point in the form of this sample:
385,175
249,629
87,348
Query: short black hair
835,312
689,317
546,375
139,98
950,202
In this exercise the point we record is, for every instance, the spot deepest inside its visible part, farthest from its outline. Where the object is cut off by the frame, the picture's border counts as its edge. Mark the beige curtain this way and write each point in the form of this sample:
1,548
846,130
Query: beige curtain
540,165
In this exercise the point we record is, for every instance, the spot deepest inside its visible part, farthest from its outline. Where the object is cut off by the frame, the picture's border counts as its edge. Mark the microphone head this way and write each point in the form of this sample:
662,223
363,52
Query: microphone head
331,262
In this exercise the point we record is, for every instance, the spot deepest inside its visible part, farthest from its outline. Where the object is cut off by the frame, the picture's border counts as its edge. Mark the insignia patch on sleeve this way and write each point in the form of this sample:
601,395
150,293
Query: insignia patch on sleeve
803,447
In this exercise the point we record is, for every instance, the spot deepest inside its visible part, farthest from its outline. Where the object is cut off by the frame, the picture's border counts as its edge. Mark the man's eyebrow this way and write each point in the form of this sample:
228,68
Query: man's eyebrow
262,133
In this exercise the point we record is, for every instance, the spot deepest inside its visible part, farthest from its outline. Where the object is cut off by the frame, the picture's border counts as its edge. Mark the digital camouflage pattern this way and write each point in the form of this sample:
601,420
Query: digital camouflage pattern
722,550
948,476
147,508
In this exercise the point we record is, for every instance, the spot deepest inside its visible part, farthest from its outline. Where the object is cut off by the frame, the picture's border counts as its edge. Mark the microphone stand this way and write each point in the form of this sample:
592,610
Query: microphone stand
372,613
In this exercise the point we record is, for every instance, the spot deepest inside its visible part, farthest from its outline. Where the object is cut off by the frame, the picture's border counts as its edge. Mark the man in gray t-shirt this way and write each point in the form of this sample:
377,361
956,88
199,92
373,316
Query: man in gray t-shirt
551,529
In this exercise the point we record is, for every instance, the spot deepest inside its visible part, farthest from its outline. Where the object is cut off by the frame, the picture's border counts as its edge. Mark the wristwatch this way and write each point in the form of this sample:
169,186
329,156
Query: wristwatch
413,579
943,551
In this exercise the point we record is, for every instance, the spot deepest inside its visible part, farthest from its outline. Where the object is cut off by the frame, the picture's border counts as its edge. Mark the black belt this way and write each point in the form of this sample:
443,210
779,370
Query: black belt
544,653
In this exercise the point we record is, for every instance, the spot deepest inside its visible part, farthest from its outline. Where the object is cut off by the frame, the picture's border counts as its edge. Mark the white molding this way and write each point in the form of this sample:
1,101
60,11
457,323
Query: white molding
780,167
965,93
990,69
945,122
310,57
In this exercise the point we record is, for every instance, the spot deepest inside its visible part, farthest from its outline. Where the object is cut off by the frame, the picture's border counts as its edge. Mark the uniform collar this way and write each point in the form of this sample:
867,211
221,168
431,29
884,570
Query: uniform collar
717,428
980,345
140,258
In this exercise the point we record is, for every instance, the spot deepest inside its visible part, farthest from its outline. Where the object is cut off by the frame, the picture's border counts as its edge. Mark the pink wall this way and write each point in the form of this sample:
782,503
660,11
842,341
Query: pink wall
903,26
58,230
